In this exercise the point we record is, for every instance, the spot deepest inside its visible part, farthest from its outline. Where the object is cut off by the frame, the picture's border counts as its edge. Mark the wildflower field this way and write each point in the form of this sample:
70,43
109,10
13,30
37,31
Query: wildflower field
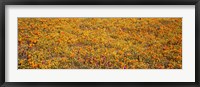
99,43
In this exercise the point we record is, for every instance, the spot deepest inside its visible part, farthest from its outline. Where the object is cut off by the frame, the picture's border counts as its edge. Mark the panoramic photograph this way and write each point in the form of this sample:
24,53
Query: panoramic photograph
99,43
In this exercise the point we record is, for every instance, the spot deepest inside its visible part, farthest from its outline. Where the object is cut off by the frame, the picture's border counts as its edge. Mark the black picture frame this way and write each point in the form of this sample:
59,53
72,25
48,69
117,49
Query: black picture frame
99,2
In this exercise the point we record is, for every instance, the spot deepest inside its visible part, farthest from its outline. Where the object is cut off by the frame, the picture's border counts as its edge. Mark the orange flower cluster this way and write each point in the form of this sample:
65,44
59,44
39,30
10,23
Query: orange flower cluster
99,43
